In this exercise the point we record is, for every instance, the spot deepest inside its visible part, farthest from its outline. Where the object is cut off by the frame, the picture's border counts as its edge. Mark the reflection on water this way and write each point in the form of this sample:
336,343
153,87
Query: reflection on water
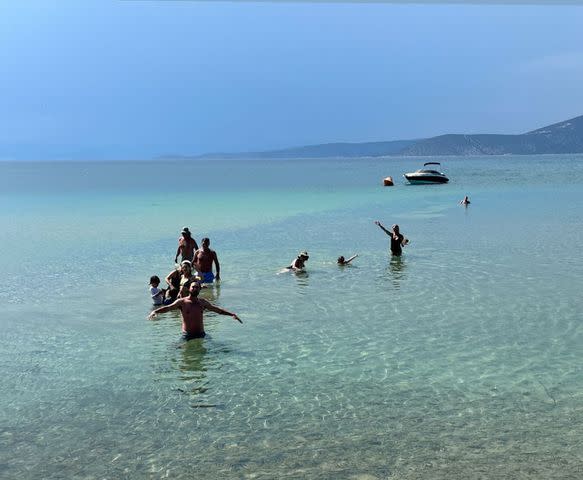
193,364
211,292
302,278
396,269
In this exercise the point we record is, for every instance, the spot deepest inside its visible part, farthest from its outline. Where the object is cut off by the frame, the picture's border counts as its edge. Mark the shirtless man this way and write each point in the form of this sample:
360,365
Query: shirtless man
186,246
397,239
204,258
192,309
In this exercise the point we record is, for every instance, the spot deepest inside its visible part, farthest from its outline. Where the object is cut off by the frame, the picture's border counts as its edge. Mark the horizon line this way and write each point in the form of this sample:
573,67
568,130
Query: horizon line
404,2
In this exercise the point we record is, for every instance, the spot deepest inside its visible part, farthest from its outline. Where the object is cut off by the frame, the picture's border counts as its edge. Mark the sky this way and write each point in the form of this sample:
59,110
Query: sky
141,79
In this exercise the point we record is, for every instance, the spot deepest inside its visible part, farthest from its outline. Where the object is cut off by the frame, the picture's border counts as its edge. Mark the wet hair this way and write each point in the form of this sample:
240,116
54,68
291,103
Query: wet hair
341,259
154,279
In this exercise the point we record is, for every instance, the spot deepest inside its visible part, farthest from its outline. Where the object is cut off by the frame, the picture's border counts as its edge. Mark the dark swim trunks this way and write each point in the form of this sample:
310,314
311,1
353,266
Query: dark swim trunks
191,336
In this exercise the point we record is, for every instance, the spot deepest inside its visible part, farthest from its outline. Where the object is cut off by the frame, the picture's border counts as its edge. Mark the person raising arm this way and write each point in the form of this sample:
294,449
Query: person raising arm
342,261
397,239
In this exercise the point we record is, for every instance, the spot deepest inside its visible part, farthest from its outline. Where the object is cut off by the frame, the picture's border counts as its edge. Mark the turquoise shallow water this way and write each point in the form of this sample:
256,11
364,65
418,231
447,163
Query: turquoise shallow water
461,359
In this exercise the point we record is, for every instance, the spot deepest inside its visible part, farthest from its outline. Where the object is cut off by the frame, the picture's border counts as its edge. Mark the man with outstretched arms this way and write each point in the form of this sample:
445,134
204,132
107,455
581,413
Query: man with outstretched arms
192,309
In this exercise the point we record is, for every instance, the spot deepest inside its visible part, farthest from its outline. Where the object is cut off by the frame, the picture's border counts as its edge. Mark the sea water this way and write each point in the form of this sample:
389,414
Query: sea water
460,359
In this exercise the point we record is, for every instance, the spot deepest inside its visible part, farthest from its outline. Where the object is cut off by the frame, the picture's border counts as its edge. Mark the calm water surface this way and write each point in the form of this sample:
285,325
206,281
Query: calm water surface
461,359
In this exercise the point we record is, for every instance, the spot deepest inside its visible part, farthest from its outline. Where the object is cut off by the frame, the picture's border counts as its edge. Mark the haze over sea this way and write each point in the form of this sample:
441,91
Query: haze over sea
461,359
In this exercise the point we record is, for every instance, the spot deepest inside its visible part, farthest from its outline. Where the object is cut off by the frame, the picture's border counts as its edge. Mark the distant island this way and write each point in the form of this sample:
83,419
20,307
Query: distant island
563,137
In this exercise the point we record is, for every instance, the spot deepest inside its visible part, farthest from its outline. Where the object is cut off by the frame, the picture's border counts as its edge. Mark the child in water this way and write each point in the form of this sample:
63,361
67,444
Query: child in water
158,294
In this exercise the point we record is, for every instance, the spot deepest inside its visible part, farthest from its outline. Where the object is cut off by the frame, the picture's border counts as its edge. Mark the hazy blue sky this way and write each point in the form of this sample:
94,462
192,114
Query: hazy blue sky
132,79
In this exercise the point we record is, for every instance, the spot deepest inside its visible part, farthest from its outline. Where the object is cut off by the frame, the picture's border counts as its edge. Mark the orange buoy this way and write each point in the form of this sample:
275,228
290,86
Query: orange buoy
388,182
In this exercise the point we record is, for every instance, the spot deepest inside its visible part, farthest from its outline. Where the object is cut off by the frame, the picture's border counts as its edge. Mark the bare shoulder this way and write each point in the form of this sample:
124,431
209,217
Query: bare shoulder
178,302
204,303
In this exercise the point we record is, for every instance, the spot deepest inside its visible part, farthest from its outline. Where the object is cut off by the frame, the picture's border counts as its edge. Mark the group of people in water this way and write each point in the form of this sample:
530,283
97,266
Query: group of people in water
196,265
195,272
185,282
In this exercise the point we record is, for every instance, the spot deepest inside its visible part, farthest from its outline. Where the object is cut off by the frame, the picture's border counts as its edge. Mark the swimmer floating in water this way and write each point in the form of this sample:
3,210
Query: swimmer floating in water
465,201
343,261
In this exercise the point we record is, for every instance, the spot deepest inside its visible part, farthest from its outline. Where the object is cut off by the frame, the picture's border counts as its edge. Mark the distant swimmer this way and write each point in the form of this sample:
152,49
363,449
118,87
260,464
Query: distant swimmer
343,261
204,258
192,308
465,201
300,261
186,246
397,239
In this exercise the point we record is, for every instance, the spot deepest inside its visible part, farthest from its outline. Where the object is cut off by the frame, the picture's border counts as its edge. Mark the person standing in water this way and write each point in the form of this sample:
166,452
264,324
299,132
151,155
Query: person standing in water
192,309
465,201
186,276
204,258
300,261
397,239
186,246
156,293
173,281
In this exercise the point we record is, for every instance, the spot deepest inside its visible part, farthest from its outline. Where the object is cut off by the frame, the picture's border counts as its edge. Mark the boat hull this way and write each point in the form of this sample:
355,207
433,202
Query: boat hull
425,179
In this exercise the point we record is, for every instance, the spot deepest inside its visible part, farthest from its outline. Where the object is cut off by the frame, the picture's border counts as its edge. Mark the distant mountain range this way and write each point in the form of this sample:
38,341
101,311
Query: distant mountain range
563,137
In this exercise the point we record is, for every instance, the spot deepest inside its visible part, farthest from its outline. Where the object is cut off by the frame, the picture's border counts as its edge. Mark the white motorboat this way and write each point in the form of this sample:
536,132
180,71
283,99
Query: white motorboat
426,175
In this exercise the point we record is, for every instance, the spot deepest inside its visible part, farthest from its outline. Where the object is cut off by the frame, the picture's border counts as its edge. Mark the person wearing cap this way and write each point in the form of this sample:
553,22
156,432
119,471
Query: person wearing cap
299,261
397,239
186,246
204,258
192,308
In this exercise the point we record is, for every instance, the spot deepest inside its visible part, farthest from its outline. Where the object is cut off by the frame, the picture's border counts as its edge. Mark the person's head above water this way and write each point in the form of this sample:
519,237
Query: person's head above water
205,242
341,259
194,288
186,265
154,280
185,232
395,228
303,255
